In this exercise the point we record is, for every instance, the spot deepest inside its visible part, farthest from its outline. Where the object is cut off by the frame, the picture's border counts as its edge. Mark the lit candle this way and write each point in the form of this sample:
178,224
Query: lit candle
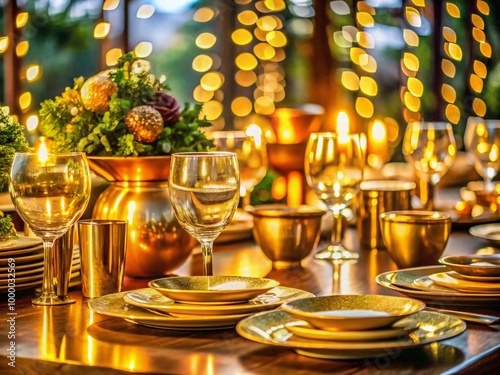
378,145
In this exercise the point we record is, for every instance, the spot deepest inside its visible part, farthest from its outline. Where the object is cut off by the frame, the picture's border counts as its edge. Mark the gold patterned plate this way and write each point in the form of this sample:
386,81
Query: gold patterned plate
352,312
151,299
403,280
270,327
212,289
473,264
304,330
21,243
114,305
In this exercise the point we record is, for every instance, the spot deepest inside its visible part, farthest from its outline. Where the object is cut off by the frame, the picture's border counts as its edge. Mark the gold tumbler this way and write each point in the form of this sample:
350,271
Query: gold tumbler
102,252
375,198
63,261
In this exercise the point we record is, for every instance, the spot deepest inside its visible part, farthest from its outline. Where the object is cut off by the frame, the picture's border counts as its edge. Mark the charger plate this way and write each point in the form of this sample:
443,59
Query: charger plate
402,281
114,305
270,327
151,299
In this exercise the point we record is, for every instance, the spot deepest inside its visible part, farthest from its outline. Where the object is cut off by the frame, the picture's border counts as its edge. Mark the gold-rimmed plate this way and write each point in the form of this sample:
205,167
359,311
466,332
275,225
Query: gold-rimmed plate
352,312
236,231
444,279
28,250
114,305
490,232
21,243
403,280
304,330
212,289
270,327
151,299
473,264
22,259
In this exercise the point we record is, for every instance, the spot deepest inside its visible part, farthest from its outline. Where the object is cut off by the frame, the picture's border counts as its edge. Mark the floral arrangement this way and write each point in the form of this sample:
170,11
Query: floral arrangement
12,140
123,111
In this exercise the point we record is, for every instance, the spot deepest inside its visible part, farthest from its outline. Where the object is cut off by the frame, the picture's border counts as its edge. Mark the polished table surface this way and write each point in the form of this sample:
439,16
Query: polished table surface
70,338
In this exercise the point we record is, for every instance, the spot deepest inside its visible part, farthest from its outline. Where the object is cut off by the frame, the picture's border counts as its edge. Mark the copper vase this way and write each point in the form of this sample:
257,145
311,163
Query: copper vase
156,243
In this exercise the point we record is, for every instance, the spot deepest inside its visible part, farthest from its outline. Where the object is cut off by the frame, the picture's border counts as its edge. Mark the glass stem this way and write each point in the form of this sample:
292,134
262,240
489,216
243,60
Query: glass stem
206,253
427,195
48,271
336,238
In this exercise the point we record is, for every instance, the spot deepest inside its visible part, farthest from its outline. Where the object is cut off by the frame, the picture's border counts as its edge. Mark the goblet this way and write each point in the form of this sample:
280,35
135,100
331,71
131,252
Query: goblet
252,158
334,169
50,192
430,148
482,142
204,190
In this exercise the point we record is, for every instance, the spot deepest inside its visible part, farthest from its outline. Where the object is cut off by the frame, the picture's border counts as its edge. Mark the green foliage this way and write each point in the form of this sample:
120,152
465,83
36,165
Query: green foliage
12,140
72,127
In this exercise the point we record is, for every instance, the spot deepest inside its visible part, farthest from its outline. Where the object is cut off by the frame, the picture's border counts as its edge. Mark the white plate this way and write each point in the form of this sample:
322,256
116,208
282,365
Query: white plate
21,243
270,328
304,330
151,299
490,232
114,305
11,253
22,259
402,281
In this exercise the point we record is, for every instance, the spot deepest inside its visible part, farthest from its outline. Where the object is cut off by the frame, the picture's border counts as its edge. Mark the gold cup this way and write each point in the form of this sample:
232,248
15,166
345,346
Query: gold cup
415,238
375,198
102,253
62,261
286,235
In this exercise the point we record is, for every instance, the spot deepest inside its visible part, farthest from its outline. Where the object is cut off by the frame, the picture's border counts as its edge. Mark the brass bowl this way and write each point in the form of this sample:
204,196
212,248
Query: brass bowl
286,235
352,312
415,238
140,168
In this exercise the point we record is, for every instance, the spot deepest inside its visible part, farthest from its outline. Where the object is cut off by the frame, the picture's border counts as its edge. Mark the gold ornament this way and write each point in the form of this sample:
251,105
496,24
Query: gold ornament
96,93
145,123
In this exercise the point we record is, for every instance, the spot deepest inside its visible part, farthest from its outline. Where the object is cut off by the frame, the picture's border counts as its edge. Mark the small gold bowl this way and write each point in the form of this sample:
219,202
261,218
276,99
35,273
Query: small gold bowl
286,235
352,312
415,238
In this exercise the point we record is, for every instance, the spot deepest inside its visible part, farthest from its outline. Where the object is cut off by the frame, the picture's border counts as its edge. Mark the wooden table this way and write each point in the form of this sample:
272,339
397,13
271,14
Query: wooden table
71,338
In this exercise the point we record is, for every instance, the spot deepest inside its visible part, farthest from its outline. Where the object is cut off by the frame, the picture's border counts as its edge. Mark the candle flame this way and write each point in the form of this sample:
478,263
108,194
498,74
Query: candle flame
43,153
342,123
379,132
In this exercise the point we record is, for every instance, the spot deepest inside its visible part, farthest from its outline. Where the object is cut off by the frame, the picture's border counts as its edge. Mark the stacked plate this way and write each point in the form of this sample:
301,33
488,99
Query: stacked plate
21,264
196,302
472,280
350,326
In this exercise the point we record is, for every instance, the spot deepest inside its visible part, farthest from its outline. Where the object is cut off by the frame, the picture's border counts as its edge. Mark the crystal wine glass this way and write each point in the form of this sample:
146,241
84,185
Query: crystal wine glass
334,169
251,155
50,192
482,142
430,147
204,190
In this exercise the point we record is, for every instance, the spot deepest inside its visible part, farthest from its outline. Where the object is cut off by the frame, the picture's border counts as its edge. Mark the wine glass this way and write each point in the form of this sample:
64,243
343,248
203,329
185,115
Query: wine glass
50,192
482,142
251,155
204,190
334,169
431,149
